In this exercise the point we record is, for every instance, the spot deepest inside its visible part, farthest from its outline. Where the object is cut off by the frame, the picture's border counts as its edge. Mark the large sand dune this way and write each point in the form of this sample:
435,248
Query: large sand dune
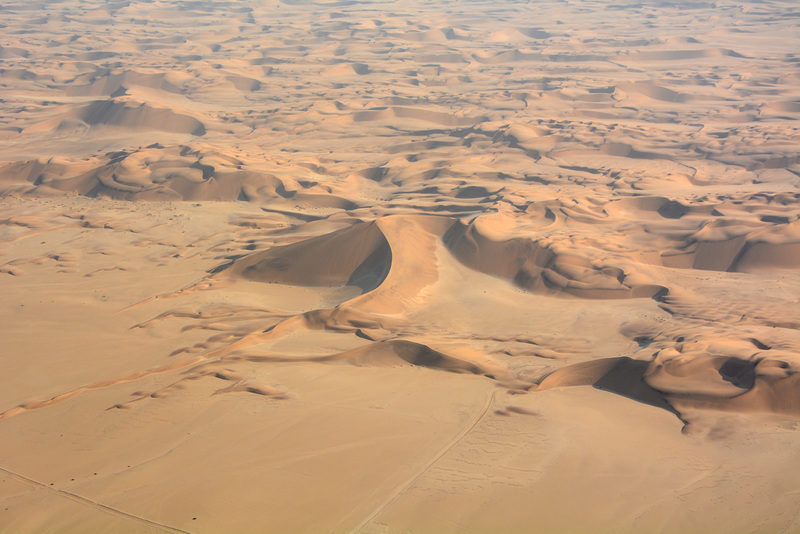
399,266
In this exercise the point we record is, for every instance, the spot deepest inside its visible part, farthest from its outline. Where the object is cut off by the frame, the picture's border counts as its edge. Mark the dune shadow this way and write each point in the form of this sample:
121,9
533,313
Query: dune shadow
626,378
622,376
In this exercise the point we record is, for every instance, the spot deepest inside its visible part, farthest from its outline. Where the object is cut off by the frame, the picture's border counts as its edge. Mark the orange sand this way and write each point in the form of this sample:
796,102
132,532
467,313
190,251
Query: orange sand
399,266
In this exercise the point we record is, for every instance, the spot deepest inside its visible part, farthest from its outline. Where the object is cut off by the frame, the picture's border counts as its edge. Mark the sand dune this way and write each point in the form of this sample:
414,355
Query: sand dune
411,266
691,376
358,256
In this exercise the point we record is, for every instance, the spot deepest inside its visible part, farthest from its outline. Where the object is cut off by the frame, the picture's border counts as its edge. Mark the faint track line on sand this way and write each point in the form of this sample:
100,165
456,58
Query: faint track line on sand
88,502
402,487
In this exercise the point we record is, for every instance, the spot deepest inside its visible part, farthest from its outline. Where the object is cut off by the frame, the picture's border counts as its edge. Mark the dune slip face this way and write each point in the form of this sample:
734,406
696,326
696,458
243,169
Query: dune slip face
371,266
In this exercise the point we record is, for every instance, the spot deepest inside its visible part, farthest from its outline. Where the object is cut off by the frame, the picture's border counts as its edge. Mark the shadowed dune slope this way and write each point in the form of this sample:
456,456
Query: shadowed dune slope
129,115
392,353
538,268
358,256
154,173
694,378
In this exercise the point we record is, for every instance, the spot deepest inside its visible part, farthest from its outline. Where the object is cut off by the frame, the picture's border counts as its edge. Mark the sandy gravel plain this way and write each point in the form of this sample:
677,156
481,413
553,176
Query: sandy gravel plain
416,266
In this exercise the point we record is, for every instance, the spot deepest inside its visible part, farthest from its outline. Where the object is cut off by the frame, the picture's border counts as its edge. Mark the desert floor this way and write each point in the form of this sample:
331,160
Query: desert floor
415,266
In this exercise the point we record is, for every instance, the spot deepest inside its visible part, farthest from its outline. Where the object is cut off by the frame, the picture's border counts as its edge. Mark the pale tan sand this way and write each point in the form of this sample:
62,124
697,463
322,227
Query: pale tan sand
399,266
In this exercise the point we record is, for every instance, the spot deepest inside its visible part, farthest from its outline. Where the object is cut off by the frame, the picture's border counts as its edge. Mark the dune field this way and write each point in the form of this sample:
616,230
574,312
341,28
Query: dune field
413,266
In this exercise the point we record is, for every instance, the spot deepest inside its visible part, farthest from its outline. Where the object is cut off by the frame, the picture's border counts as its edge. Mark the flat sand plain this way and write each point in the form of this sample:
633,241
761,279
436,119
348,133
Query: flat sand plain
415,266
